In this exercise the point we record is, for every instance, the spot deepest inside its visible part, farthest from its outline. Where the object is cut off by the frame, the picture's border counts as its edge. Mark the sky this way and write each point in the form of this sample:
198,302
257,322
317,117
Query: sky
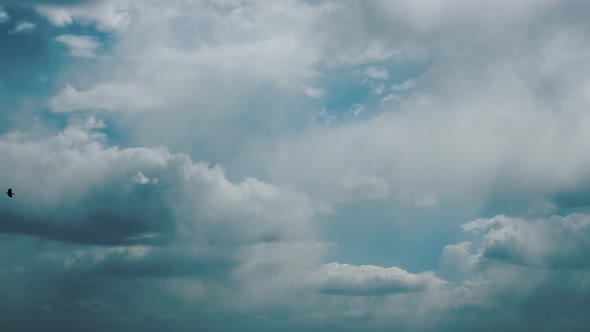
296,165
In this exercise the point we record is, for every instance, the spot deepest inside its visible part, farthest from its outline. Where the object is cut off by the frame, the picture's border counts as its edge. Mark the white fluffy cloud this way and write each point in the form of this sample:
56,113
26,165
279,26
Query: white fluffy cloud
235,246
258,59
460,258
556,242
443,140
82,175
146,212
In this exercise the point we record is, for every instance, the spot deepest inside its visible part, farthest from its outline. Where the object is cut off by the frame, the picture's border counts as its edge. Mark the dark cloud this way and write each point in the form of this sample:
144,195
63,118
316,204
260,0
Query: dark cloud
115,219
524,299
169,262
367,291
102,287
132,226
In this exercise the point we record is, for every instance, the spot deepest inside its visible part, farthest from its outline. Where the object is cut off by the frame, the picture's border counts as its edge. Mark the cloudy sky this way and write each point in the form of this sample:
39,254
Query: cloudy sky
295,165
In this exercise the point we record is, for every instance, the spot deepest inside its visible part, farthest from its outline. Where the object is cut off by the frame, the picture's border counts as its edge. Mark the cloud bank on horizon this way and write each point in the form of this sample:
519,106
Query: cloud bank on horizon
295,165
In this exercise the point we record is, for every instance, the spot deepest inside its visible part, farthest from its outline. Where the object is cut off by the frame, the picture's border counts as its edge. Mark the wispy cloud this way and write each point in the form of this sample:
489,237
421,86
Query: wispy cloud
315,93
377,73
114,97
79,45
23,27
406,85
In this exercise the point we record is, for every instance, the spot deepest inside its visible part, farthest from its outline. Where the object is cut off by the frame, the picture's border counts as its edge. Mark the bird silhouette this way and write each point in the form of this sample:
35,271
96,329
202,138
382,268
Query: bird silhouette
9,192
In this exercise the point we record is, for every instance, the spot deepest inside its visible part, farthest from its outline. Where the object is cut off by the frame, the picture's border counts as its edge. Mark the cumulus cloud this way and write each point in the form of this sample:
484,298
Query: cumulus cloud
441,141
367,280
461,258
80,46
521,265
106,215
556,242
197,240
80,193
496,116
207,81
142,179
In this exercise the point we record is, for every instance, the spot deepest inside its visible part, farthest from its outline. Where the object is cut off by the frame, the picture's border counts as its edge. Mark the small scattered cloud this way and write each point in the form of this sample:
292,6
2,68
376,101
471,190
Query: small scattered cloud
4,17
23,27
377,73
351,113
80,46
314,93
325,116
391,98
541,207
406,85
140,178
108,16
356,110
378,89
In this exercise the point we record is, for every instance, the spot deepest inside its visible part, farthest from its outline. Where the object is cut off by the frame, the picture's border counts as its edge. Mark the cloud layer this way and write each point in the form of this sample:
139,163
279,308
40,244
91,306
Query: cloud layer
296,165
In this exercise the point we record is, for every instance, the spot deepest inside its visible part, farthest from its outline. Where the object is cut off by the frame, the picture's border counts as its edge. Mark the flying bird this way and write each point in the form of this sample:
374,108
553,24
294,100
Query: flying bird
9,192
